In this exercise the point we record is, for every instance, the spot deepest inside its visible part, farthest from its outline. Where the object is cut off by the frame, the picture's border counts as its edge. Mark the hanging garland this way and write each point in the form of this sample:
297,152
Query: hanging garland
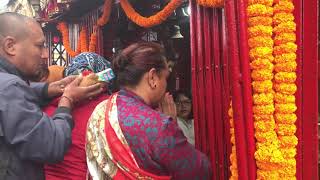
211,3
106,13
268,155
63,28
83,40
93,42
233,155
152,20
284,84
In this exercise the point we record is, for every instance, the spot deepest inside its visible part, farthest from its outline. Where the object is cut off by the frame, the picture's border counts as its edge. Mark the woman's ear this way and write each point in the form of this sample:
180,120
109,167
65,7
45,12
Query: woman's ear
153,78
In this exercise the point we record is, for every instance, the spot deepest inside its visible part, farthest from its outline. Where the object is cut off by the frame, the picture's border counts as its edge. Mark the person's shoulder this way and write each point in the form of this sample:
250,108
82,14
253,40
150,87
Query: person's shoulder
7,80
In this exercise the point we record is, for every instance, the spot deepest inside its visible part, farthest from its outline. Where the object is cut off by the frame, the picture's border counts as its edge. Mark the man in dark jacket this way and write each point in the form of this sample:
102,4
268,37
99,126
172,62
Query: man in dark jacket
28,137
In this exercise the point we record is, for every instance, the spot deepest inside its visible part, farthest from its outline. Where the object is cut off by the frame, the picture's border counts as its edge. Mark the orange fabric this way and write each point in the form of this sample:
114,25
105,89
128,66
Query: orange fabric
122,153
55,73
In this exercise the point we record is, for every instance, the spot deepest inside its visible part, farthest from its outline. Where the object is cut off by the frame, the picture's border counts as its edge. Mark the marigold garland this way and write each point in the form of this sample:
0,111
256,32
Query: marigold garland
259,10
269,157
152,20
262,64
286,67
233,155
284,86
286,57
83,40
106,13
260,20
63,28
93,42
260,30
211,3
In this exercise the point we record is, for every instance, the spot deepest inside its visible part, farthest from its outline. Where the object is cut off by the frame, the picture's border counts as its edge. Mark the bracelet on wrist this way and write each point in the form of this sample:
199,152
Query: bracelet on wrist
69,99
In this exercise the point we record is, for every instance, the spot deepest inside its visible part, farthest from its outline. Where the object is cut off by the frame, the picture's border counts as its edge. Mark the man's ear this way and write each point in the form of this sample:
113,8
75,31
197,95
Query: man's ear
152,78
9,45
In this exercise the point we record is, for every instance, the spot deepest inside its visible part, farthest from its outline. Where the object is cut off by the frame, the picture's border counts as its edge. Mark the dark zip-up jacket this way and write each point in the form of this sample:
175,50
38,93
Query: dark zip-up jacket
28,137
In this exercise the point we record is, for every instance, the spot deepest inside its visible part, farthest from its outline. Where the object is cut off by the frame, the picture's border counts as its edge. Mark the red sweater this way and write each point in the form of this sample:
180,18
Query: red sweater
74,165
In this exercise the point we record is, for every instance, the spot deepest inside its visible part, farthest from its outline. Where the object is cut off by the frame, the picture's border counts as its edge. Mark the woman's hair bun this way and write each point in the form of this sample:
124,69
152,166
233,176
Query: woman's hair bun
120,63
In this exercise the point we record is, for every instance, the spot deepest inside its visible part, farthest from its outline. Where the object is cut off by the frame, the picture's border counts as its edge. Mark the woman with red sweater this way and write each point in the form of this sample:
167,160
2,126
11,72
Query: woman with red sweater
74,166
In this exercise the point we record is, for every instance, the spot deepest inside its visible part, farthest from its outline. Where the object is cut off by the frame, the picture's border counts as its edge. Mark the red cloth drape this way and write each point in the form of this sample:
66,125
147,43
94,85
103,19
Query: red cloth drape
307,94
220,68
210,86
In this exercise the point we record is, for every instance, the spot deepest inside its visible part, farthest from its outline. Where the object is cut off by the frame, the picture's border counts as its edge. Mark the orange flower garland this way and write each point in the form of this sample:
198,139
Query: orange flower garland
284,84
63,28
83,40
233,155
211,3
268,154
106,13
93,42
152,20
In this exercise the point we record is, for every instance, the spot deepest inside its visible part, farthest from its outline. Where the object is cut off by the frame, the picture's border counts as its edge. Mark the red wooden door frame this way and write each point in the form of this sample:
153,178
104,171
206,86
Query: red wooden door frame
306,18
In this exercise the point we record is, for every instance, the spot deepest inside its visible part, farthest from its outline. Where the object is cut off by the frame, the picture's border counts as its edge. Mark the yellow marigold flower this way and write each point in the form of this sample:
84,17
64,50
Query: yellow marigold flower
259,10
263,98
284,38
261,75
262,86
263,109
231,130
261,64
231,123
288,152
268,136
263,117
260,41
233,140
267,175
290,162
285,48
282,17
268,166
230,112
271,145
285,108
234,171
290,66
260,30
264,2
260,52
285,88
264,126
286,27
233,157
285,118
259,20
286,129
283,6
285,77
286,176
287,57
288,141
287,172
268,154
284,98
234,177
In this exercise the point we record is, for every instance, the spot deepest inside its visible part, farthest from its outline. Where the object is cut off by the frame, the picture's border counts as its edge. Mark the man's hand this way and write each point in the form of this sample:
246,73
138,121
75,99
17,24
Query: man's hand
76,93
168,107
56,88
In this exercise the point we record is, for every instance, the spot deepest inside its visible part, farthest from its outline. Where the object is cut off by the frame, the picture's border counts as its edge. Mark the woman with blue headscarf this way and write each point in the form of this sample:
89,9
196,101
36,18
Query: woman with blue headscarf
74,165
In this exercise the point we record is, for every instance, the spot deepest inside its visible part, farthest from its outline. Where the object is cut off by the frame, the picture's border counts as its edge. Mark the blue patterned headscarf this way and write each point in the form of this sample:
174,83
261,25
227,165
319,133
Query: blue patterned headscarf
87,61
